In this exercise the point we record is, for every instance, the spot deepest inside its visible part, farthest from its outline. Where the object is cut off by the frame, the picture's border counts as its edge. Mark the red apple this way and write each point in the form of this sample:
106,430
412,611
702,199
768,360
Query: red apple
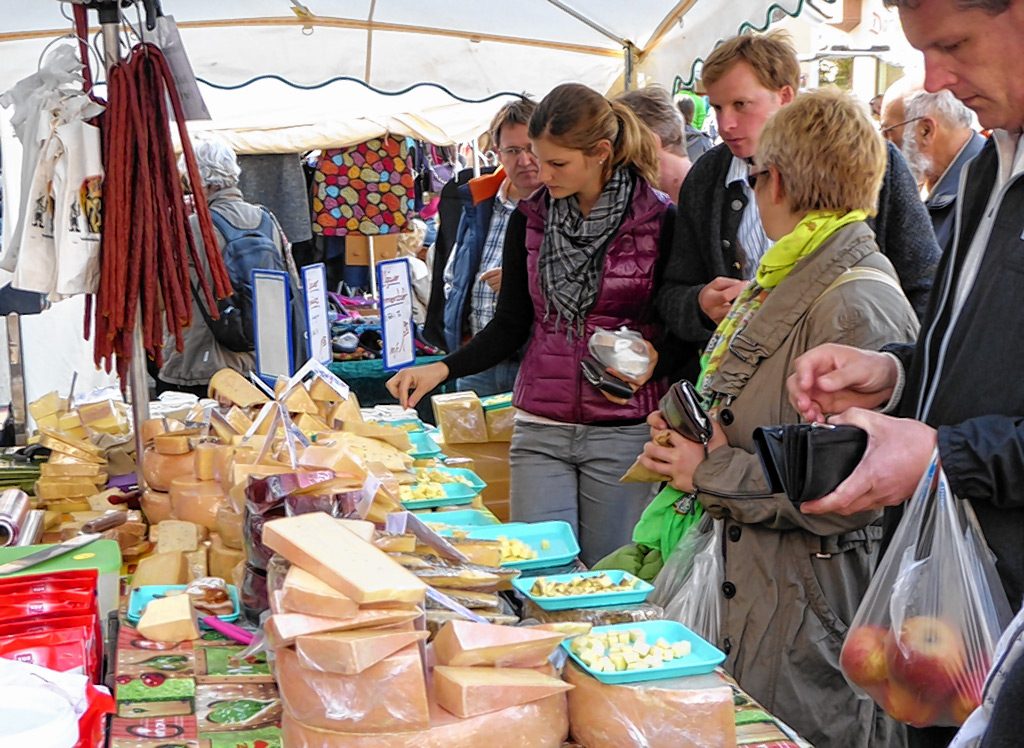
904,705
968,696
863,657
927,656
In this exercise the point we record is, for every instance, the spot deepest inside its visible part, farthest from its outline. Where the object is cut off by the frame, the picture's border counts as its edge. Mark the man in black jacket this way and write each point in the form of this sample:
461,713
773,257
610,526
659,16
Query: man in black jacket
959,388
719,240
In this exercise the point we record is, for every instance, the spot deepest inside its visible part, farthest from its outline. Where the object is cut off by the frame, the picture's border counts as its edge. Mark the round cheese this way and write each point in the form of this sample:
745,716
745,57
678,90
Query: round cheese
196,500
159,470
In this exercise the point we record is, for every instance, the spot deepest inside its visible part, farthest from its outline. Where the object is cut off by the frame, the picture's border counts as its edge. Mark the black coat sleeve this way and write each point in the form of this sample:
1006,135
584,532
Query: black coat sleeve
510,327
983,458
904,232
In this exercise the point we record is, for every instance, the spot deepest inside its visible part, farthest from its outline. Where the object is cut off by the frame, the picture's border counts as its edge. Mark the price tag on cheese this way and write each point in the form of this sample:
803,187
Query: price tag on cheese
395,289
314,283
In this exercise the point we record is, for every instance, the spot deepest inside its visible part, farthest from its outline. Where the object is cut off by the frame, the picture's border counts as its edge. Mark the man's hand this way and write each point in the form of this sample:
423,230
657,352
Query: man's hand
716,297
492,278
831,378
411,384
899,451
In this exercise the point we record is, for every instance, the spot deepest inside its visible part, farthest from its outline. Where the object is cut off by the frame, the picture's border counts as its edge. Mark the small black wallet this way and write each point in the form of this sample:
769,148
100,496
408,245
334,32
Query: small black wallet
597,376
806,461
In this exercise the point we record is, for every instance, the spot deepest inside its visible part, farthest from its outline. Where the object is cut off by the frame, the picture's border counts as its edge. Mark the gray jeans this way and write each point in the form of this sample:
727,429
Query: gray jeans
572,473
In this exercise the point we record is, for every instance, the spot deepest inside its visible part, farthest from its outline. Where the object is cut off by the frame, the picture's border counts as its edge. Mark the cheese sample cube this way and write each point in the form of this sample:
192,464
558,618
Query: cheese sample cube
388,696
326,549
693,712
352,652
283,628
464,644
175,535
161,568
469,691
222,559
304,593
169,619
539,724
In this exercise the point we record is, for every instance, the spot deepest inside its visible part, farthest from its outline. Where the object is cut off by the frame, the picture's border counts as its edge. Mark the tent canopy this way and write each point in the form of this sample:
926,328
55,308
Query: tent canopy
471,50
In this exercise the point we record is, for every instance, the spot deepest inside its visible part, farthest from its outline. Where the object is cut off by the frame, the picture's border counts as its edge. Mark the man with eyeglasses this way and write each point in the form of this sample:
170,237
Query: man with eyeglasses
473,273
894,111
719,238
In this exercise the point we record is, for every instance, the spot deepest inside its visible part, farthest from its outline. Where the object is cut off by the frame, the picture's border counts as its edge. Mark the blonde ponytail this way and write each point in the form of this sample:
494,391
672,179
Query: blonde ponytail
634,146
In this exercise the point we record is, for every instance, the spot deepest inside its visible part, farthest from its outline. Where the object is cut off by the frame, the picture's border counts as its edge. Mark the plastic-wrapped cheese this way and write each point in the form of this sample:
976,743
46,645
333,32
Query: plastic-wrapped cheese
460,417
539,724
694,712
464,644
196,500
304,593
156,505
281,629
352,652
469,691
389,696
160,470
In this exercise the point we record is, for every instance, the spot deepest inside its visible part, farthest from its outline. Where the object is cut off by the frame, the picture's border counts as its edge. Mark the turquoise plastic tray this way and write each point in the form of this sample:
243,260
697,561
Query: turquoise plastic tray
142,596
423,446
400,423
562,546
460,518
703,657
638,594
454,495
474,480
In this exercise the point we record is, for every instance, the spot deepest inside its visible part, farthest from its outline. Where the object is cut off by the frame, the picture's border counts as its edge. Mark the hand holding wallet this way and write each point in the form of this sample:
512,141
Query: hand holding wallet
806,461
604,381
682,411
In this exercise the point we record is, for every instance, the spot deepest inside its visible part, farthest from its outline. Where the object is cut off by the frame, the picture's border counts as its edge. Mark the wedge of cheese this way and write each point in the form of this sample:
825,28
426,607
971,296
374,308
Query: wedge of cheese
352,652
283,628
64,488
229,385
465,644
323,547
539,724
304,593
346,411
390,695
469,691
169,619
396,437
322,392
229,526
161,568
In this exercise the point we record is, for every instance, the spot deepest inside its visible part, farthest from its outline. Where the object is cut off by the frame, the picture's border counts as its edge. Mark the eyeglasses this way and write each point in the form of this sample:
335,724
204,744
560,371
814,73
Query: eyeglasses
886,130
752,177
515,151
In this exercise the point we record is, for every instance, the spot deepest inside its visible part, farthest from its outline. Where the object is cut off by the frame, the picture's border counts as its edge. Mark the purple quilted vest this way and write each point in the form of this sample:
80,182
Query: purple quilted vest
550,382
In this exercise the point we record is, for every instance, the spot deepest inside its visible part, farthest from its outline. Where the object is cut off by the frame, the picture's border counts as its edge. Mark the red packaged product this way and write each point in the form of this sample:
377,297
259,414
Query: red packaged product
22,605
86,628
61,649
84,580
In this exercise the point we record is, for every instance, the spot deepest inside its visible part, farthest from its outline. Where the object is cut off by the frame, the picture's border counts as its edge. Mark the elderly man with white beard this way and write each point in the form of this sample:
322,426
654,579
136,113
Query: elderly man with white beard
938,140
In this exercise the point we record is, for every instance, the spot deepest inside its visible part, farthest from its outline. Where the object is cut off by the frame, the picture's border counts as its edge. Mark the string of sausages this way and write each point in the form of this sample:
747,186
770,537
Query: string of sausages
147,246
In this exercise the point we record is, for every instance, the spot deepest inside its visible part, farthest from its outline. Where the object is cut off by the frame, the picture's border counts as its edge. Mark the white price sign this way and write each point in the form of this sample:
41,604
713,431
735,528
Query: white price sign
314,282
394,290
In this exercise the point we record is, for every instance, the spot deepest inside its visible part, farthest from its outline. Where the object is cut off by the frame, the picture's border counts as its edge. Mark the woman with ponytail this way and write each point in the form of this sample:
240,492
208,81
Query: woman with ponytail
581,253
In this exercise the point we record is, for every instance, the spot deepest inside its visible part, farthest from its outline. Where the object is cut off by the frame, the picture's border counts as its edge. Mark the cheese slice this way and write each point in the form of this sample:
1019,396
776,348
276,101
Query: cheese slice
352,652
469,691
464,644
161,568
282,628
70,470
388,696
396,437
169,619
229,385
354,567
64,488
304,593
80,444
175,535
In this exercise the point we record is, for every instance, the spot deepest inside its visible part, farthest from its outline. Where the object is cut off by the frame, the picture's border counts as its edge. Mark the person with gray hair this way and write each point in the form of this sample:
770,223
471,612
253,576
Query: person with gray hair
938,141
654,107
190,369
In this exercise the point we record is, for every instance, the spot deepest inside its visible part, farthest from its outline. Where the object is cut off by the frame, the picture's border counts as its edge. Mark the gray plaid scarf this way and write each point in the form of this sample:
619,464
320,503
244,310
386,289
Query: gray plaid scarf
572,253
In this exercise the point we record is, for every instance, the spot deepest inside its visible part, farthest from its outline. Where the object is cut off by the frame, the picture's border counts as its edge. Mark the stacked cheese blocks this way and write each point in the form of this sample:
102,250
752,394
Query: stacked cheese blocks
350,664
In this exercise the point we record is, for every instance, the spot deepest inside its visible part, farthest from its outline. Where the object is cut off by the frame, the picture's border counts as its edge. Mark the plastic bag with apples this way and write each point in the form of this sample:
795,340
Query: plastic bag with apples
922,641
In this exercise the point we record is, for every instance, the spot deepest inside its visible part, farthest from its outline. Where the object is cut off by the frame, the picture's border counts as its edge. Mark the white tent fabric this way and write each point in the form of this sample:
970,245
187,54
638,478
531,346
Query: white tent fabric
473,48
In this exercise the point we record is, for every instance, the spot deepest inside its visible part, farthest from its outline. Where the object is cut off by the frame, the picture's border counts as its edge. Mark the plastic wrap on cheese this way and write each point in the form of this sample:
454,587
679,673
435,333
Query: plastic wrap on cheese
389,696
694,712
539,724
500,417
460,416
595,616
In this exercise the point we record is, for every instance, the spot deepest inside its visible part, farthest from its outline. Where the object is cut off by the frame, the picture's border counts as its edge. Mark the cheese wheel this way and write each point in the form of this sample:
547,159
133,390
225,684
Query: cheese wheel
539,724
156,505
196,500
694,712
389,696
229,526
159,470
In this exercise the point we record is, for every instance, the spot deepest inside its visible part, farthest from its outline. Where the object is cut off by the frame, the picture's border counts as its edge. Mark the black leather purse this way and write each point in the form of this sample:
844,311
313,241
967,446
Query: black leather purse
682,411
806,461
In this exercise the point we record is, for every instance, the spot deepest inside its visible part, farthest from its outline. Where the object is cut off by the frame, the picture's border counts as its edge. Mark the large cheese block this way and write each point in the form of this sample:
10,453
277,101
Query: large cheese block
304,593
320,545
161,568
169,619
469,691
159,470
197,500
695,712
71,470
386,697
283,628
352,652
464,644
539,724
222,559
